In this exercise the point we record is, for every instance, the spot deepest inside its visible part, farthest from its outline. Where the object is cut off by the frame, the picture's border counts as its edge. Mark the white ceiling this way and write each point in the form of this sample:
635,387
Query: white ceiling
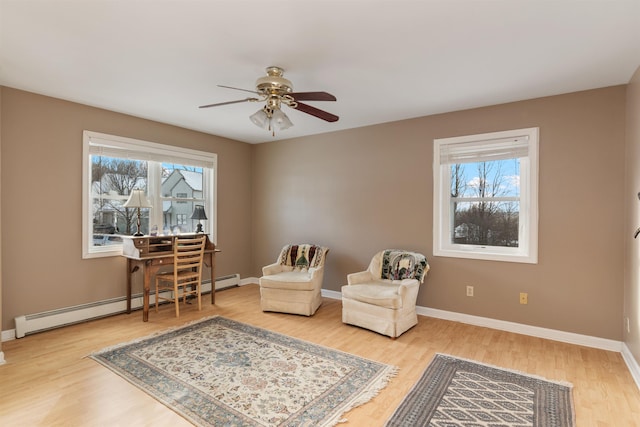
384,60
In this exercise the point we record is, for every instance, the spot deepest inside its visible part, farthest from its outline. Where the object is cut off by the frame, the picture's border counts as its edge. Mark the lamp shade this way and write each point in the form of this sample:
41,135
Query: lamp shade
137,199
198,212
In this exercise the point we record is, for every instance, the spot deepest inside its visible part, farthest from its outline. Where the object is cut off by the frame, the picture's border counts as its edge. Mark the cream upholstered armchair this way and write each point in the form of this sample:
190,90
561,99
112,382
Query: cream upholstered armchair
383,298
293,283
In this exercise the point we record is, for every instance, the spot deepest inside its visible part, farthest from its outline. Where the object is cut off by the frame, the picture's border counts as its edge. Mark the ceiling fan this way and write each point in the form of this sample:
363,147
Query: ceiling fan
275,90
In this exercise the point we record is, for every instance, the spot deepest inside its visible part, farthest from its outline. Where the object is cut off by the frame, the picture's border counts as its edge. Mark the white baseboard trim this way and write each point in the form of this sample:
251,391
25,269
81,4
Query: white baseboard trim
69,315
632,364
535,331
331,294
518,328
8,335
249,281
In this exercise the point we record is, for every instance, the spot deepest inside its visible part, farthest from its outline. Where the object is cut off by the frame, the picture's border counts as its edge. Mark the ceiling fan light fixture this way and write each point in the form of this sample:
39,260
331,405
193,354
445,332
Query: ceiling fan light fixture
271,119
260,118
281,120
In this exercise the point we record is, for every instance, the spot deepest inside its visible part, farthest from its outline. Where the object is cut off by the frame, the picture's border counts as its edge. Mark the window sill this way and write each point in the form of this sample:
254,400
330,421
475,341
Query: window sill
487,254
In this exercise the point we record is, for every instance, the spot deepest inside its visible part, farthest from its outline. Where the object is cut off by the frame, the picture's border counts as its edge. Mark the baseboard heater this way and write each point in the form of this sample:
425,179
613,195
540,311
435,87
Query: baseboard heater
38,322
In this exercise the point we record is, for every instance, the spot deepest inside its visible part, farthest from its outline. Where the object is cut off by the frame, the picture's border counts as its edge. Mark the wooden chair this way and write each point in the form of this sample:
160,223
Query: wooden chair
186,277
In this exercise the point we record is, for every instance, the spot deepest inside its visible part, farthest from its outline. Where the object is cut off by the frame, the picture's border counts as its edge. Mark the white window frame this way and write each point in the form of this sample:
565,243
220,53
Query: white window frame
117,146
527,250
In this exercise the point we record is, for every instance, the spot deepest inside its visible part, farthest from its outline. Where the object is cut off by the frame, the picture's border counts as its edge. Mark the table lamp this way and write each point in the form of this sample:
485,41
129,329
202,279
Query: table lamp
199,214
137,200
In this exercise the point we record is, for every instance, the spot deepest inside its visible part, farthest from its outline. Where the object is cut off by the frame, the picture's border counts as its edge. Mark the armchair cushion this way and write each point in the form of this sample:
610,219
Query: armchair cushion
292,280
382,295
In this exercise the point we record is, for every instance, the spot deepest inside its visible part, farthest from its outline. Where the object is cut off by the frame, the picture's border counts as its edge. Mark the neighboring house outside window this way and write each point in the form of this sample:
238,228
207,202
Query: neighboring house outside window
181,191
486,196
174,180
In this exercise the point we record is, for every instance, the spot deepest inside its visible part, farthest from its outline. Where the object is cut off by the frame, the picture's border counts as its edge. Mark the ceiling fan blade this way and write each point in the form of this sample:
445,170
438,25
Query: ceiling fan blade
237,88
228,102
316,112
312,96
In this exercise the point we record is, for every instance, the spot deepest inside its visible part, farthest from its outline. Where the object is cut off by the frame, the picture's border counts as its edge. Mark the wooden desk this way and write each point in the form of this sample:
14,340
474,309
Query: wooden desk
150,253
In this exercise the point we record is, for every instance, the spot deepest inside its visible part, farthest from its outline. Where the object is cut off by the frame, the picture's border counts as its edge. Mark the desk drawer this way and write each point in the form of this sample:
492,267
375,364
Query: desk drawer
141,243
168,260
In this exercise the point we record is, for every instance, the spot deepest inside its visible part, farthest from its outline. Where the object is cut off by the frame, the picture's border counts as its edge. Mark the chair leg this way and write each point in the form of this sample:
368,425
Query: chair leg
176,299
199,288
185,296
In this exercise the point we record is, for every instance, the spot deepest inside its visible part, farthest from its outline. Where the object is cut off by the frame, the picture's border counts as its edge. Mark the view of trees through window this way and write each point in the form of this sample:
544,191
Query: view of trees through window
485,198
113,179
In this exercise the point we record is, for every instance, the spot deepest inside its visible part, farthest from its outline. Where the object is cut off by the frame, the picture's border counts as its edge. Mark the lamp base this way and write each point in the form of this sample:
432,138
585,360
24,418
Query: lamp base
138,232
199,229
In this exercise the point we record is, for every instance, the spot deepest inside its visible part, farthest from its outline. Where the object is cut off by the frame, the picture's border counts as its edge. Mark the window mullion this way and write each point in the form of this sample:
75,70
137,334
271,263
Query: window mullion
154,187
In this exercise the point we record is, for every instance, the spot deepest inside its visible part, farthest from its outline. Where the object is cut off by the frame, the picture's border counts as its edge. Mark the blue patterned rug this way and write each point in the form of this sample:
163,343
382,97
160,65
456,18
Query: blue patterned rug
219,372
455,392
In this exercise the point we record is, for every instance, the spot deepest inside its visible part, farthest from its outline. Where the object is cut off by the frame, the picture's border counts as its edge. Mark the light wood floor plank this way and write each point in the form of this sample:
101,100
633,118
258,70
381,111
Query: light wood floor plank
48,381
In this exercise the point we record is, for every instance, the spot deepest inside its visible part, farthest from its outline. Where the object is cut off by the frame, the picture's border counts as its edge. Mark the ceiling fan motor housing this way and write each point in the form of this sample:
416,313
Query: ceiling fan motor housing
274,83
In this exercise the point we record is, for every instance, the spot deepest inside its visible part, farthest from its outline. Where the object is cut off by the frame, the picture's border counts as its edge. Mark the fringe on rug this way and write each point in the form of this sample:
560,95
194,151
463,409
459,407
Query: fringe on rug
374,387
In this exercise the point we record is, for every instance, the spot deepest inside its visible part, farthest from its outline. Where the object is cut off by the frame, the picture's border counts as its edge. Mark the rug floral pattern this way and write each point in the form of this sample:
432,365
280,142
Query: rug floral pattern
222,372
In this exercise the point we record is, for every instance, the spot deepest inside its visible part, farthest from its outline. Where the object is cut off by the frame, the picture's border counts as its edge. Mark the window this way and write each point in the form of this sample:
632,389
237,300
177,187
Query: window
174,180
485,198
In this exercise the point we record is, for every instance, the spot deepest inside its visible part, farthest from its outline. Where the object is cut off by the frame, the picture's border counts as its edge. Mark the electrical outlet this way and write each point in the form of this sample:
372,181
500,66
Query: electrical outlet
524,298
626,319
469,291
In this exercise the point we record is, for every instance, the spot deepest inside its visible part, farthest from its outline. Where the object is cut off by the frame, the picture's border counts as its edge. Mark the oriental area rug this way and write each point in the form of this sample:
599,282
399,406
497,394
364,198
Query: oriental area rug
219,372
455,392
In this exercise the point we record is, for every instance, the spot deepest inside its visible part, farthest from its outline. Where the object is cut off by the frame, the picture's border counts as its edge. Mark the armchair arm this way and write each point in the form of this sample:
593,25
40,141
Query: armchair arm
315,271
408,291
270,269
360,277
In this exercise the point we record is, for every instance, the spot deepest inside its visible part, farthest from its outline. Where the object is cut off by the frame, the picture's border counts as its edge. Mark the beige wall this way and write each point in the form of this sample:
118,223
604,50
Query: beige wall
362,190
41,170
632,187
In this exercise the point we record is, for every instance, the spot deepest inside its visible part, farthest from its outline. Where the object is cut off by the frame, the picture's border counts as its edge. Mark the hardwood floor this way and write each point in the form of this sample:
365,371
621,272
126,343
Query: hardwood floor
48,381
